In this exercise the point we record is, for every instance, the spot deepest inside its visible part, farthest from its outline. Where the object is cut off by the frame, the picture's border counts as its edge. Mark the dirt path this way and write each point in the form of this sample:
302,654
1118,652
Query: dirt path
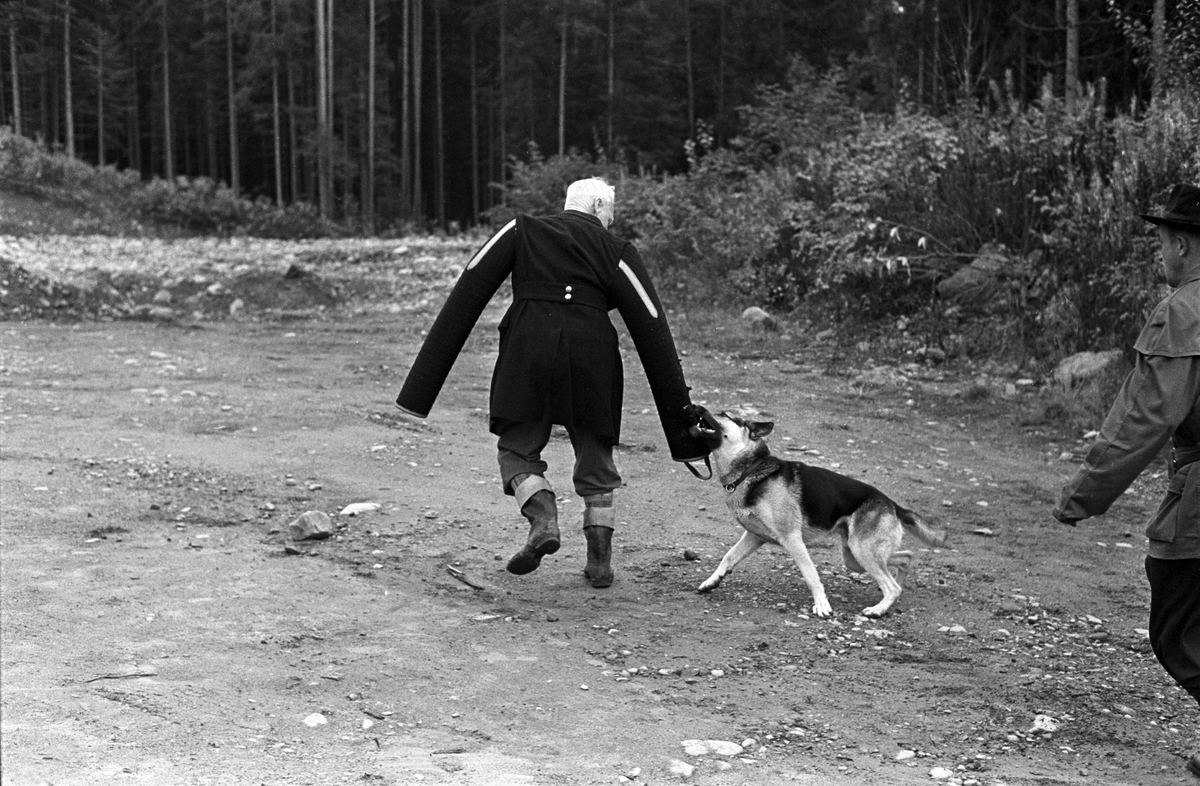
156,628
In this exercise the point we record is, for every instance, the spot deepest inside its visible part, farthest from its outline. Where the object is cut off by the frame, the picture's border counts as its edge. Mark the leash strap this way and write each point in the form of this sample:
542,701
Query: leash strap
707,466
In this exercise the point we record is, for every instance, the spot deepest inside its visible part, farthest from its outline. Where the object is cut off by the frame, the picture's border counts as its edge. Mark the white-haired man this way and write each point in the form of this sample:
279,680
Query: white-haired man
559,362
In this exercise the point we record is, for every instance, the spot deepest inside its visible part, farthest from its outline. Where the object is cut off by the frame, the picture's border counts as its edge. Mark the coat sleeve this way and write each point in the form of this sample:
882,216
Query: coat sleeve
637,301
1156,397
475,287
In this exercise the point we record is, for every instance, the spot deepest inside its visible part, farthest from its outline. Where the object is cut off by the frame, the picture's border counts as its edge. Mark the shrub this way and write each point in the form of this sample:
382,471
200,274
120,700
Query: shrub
713,229
191,204
26,164
198,204
1104,257
538,186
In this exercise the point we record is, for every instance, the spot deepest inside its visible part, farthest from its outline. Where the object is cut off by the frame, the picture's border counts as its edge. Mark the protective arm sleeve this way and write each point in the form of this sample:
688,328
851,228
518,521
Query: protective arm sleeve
475,287
1154,400
637,301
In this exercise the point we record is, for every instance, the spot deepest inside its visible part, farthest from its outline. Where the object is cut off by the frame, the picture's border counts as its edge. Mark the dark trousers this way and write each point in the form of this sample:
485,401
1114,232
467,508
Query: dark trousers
520,448
1175,618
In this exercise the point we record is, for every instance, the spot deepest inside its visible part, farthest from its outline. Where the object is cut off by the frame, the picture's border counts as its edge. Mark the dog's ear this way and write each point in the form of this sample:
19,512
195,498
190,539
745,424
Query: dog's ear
760,430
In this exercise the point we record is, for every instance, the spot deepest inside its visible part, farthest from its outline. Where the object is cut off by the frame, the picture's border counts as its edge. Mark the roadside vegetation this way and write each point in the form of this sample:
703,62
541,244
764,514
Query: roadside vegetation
825,210
821,212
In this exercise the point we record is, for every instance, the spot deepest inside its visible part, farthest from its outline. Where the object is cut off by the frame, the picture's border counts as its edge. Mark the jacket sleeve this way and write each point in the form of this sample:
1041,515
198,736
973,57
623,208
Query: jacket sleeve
637,301
475,287
1154,400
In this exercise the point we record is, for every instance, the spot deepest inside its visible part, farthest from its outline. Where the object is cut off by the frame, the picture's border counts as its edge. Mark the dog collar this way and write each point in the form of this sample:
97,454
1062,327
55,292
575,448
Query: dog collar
750,470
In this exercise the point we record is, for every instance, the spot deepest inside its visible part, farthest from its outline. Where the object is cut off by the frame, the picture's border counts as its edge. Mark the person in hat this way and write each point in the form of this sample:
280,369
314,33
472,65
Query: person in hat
1158,403
559,363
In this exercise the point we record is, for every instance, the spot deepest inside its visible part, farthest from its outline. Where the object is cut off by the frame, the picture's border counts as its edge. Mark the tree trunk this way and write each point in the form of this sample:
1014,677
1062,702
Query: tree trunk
721,44
275,121
439,183
474,131
1023,58
493,142
9,21
405,110
168,152
418,27
293,149
503,119
369,175
16,79
691,87
135,118
935,80
1072,64
612,93
1158,49
67,97
100,91
210,157
919,32
329,105
323,152
235,180
562,84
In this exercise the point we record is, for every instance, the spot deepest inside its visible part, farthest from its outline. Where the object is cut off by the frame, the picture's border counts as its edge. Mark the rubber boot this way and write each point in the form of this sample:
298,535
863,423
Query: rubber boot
598,520
536,499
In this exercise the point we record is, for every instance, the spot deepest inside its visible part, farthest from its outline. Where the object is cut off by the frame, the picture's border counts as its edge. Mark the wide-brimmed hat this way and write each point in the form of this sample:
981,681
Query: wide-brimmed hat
1182,210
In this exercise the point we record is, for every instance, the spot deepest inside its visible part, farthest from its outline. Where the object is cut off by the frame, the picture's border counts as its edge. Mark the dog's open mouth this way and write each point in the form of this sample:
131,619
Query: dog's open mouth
704,425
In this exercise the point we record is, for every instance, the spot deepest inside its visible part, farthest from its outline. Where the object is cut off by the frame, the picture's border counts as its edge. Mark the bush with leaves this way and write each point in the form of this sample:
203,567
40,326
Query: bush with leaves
710,233
538,186
27,165
198,204
191,204
1104,256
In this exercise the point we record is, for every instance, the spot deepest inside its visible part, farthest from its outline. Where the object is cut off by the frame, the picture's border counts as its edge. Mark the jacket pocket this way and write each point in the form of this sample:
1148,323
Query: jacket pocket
1181,504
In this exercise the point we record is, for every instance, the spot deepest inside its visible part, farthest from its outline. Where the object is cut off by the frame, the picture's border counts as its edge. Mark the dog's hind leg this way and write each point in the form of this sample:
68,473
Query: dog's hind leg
872,540
748,544
794,544
849,561
899,564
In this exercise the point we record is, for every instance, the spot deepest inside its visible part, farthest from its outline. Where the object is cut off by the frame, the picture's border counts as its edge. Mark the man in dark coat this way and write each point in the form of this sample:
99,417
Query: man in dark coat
559,362
1160,402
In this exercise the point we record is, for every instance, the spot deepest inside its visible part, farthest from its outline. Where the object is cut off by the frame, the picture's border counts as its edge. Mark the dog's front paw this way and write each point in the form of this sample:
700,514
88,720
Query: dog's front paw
710,584
822,608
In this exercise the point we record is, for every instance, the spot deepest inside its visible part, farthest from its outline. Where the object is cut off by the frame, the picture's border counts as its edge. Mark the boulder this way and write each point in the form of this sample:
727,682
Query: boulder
759,319
311,525
977,283
1081,366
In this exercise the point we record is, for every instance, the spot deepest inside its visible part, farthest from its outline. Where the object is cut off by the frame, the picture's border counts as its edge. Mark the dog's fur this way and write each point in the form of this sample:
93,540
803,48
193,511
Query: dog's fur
773,499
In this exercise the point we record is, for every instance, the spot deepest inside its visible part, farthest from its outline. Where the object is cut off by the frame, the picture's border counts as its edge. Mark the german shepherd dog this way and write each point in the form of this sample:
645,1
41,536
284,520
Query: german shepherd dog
773,499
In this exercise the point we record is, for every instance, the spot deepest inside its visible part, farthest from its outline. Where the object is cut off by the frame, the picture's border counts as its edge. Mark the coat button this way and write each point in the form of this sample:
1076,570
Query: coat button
568,287
567,296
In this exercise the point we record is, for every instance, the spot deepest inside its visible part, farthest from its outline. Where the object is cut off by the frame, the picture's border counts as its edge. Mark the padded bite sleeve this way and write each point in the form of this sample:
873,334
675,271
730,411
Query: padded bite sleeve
475,287
646,320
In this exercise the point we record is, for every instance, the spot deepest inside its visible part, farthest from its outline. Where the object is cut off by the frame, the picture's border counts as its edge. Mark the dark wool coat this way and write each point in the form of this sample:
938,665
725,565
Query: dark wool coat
559,358
1158,402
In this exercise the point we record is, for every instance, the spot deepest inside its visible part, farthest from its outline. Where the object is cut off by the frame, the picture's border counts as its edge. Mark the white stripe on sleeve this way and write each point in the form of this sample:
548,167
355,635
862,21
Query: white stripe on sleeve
641,290
488,246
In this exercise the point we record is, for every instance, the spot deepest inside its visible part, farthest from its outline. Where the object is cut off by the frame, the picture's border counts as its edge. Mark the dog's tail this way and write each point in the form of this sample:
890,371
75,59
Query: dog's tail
917,526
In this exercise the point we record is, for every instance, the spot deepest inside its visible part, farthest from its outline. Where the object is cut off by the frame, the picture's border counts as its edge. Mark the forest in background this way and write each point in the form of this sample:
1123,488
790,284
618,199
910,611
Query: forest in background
391,111
803,156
